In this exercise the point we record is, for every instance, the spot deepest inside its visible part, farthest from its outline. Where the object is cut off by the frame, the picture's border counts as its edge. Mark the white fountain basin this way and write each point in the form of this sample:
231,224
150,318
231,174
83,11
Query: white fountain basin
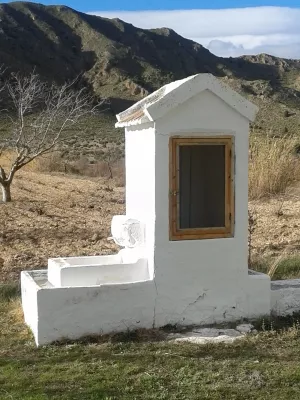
97,270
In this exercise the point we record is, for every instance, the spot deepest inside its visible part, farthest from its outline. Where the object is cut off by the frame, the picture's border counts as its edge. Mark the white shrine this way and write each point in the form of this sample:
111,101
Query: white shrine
185,233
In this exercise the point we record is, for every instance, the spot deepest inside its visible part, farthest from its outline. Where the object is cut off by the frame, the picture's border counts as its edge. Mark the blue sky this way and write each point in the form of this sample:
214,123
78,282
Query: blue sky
92,5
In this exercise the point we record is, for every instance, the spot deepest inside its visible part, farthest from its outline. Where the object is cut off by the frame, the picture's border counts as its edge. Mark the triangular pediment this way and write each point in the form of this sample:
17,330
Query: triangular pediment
170,96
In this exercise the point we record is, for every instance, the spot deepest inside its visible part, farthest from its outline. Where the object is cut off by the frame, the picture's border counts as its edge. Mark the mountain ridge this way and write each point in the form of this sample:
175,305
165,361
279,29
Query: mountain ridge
125,63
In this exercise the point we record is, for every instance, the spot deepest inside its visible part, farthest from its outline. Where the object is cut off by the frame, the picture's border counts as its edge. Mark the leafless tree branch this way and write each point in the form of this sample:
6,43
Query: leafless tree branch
40,118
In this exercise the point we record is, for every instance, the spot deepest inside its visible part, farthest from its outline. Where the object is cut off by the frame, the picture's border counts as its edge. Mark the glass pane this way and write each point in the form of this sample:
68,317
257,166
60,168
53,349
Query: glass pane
201,186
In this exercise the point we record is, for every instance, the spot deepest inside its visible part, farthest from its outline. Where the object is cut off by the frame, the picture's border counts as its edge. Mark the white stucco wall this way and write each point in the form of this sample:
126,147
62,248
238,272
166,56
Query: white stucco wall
101,270
29,293
258,294
201,281
285,297
140,182
195,281
74,312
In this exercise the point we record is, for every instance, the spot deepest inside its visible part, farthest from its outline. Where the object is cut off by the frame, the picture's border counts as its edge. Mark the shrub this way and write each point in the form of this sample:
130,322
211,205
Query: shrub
284,266
273,165
52,162
55,162
9,291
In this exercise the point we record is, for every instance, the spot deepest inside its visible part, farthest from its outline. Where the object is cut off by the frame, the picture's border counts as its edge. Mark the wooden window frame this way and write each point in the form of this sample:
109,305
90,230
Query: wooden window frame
200,233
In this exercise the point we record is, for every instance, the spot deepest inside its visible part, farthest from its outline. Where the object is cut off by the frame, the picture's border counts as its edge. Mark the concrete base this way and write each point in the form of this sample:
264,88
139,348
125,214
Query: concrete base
72,312
210,335
285,297
57,313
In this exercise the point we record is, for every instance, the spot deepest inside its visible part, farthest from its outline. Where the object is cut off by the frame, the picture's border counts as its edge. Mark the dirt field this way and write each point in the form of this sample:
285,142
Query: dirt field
63,215
277,228
53,216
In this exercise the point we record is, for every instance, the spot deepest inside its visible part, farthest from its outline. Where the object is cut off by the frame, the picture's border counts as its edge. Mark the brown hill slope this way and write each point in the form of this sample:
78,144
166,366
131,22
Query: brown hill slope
63,215
124,63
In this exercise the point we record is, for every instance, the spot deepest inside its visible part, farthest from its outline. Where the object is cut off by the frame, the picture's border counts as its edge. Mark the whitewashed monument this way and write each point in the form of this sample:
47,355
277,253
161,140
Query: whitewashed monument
184,235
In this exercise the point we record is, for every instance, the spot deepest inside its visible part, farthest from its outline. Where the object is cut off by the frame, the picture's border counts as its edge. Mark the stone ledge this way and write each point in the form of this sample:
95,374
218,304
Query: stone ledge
212,335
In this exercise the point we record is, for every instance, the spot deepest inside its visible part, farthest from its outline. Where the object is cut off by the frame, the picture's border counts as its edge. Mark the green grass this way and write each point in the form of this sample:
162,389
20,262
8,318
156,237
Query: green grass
264,366
287,268
9,291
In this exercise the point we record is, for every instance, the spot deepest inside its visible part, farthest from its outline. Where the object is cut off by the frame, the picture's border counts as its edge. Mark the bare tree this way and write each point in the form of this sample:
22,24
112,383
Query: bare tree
110,157
39,117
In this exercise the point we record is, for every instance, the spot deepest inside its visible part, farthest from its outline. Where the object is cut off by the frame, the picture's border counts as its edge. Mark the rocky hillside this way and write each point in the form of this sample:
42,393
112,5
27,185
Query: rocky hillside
125,63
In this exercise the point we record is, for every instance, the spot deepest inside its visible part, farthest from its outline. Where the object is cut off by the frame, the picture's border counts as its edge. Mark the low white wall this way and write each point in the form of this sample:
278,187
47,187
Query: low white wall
57,313
259,298
216,301
54,314
29,291
285,297
102,270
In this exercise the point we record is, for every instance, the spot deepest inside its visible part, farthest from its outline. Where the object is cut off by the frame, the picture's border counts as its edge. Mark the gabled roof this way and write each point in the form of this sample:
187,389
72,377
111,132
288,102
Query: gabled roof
172,95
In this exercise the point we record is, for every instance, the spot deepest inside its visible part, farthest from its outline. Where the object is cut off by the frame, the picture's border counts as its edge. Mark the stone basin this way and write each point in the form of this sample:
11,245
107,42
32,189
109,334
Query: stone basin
97,270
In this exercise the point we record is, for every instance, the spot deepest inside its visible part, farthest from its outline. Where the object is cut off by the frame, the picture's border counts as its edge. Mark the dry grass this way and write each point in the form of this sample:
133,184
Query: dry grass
273,166
276,264
57,162
284,266
52,162
276,236
56,215
277,233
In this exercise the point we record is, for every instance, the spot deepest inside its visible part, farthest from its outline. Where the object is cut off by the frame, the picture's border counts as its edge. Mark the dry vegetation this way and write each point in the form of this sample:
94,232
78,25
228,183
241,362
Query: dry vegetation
110,167
55,215
274,165
57,212
276,238
274,192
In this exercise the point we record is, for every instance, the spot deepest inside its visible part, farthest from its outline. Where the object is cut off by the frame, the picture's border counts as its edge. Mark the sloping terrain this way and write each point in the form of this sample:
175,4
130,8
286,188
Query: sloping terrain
55,216
63,215
124,63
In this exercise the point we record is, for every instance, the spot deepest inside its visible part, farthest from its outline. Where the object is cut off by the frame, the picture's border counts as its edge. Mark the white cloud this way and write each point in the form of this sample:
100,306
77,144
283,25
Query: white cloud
229,32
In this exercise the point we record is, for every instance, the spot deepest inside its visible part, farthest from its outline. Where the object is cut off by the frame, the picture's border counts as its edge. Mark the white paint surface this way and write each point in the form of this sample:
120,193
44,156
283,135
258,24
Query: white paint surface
174,94
204,281
55,314
140,182
245,328
73,312
285,297
191,282
207,335
29,293
99,270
